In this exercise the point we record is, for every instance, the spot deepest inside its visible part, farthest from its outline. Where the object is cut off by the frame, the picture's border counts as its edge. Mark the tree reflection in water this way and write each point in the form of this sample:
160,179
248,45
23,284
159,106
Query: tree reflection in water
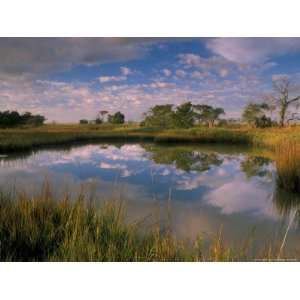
184,158
256,166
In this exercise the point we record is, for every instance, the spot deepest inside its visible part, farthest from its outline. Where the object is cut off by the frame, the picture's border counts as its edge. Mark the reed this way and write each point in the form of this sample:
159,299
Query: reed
288,166
44,229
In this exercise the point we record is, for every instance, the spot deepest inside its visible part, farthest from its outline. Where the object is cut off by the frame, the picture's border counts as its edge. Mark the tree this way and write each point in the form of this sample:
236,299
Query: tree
13,119
117,118
83,121
254,114
184,115
98,120
208,114
160,116
284,97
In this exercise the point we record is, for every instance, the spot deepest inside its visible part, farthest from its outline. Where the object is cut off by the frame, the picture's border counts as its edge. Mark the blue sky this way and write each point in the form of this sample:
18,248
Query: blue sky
67,79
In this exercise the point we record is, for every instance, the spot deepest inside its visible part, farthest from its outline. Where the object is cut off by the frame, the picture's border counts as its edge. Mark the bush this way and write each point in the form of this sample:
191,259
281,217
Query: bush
117,118
13,119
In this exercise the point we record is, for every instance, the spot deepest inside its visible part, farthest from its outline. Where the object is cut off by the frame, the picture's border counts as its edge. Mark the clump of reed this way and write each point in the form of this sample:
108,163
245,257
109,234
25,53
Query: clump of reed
288,165
43,229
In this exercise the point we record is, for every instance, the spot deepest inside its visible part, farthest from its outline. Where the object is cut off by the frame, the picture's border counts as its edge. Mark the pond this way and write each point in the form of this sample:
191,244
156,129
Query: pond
192,190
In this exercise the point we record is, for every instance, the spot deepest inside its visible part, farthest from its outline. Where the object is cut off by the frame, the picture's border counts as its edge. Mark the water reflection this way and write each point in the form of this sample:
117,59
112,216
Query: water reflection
208,186
287,204
256,166
184,158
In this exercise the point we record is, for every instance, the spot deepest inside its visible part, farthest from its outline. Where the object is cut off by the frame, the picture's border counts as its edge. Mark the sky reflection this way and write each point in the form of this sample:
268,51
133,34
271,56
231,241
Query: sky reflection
212,186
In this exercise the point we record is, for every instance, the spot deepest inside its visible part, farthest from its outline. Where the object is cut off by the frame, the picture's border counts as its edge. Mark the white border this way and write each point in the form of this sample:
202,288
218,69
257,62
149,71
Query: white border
150,18
149,281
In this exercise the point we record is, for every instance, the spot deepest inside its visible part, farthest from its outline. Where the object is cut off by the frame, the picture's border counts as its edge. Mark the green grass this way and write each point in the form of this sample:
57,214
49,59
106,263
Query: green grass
44,229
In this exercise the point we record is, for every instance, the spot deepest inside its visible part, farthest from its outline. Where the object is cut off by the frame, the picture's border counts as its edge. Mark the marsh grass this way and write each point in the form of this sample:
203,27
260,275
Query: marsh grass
24,139
288,166
44,229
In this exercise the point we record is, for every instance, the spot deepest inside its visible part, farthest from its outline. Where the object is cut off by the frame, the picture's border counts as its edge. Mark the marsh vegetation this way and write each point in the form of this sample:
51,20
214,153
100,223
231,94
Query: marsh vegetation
45,229
128,212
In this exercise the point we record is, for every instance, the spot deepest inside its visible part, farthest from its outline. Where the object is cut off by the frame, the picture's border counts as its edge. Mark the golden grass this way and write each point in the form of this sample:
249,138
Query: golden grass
288,165
44,229
20,138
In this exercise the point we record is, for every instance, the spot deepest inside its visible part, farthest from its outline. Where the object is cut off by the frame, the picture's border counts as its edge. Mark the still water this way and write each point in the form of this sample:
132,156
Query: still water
194,190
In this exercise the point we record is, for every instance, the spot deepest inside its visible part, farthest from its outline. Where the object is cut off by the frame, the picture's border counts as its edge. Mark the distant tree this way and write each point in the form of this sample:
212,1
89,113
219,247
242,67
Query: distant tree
263,122
284,96
98,120
160,116
207,114
83,121
184,115
34,120
254,115
117,118
13,118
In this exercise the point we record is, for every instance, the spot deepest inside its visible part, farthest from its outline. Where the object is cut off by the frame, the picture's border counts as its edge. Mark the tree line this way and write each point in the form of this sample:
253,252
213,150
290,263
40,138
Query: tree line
104,117
283,100
185,115
14,119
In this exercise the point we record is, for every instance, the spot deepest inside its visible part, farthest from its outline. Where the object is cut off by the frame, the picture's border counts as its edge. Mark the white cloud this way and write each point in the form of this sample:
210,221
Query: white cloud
223,72
125,71
161,85
198,75
206,67
167,72
190,59
276,77
252,50
180,73
104,79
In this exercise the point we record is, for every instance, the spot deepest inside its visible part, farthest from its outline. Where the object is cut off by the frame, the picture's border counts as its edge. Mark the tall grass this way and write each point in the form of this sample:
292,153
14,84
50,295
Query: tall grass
43,229
288,166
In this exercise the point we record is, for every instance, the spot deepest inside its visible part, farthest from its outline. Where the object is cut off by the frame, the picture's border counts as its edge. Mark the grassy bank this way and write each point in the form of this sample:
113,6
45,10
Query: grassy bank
27,139
43,229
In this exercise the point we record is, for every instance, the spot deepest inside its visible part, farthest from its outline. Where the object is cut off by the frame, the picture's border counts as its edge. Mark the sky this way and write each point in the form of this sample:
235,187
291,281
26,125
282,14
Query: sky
68,79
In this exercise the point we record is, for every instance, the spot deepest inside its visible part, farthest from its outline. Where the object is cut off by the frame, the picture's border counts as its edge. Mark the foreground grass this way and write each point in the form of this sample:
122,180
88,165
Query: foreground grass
29,138
43,229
